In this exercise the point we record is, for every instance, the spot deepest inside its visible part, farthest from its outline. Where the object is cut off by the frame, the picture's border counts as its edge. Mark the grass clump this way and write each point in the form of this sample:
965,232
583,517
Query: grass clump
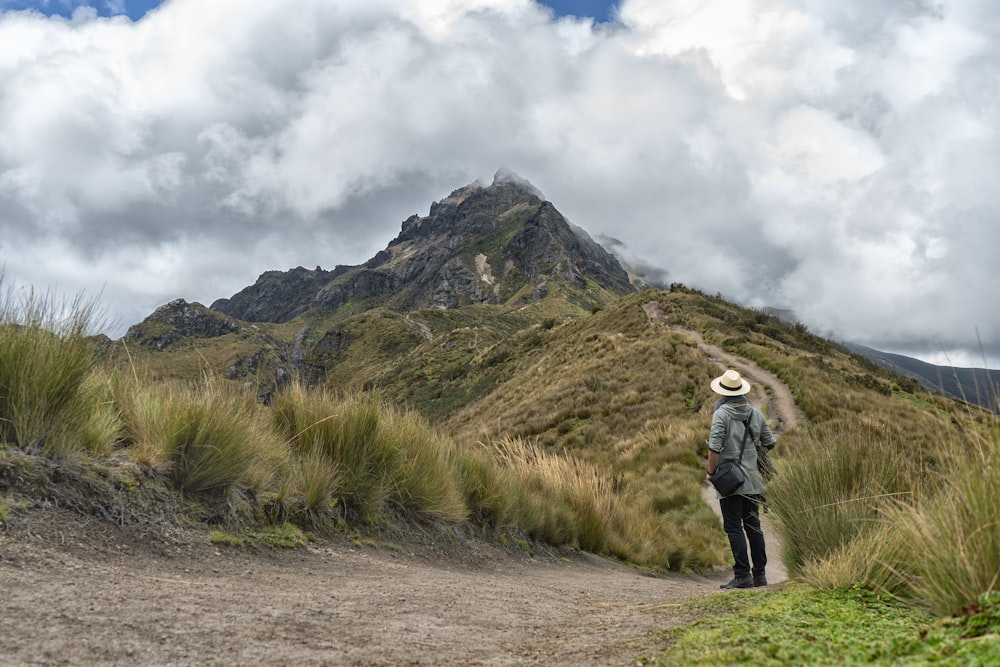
209,437
953,534
559,499
45,360
861,503
359,454
224,538
835,480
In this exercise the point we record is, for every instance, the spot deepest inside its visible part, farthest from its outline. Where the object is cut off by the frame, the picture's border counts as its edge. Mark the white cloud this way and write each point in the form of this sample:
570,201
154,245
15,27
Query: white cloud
836,157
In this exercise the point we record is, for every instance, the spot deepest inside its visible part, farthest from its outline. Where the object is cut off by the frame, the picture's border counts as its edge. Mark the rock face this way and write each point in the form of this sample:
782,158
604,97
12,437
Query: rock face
179,319
478,245
278,296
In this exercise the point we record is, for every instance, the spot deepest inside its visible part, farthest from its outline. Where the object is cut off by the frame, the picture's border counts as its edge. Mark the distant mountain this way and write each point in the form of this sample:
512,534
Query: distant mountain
979,386
974,385
480,245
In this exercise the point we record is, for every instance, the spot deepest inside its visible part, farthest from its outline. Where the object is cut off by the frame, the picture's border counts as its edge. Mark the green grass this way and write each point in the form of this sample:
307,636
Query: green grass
806,626
227,539
283,536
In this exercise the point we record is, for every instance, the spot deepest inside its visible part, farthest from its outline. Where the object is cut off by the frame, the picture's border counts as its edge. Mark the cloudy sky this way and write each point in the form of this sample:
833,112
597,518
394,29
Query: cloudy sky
836,157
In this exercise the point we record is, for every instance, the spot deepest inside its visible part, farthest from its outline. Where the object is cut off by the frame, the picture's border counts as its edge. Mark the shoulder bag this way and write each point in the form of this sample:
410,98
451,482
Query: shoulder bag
729,475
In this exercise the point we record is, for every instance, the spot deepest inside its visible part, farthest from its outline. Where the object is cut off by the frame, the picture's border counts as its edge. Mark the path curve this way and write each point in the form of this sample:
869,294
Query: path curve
769,393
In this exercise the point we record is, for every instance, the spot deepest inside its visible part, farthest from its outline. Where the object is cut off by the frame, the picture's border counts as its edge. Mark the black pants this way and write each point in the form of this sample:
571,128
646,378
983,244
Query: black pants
741,514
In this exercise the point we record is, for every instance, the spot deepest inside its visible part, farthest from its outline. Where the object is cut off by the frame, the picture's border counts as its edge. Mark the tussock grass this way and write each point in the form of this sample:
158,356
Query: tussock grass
953,535
427,479
874,559
210,437
562,500
835,481
45,359
361,454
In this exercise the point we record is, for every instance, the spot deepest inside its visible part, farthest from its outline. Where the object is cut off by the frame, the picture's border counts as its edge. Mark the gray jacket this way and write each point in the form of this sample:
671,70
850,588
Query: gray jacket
727,434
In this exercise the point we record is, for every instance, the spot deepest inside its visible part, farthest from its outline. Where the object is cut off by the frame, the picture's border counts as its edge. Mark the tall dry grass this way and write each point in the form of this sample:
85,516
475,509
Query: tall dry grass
559,499
368,456
953,535
45,359
562,500
906,506
209,437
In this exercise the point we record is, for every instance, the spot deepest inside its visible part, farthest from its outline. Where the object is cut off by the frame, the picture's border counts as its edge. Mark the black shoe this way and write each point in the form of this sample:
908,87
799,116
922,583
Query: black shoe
760,581
739,582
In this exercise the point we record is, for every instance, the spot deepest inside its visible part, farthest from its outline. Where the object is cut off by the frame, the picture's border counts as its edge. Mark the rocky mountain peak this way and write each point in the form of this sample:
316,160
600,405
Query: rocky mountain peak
470,209
480,244
506,176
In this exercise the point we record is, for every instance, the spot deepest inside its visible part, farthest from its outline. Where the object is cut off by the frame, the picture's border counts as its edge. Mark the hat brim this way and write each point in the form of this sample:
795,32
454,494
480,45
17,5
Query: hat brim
726,391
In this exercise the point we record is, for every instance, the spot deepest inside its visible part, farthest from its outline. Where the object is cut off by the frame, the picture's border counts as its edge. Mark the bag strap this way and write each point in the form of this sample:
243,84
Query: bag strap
743,444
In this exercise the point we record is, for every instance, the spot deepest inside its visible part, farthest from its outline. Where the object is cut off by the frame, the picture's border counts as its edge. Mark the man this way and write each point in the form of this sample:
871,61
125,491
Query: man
740,509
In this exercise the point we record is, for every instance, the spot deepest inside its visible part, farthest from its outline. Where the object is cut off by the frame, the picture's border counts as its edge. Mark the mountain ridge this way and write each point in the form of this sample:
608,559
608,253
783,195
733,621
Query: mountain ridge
980,386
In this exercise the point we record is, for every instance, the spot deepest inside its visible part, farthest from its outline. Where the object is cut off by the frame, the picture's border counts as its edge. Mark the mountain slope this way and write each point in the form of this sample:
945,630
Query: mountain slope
494,260
976,385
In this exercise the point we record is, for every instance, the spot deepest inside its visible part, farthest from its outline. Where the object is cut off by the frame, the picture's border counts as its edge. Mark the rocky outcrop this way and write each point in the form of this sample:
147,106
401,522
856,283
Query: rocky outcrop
179,319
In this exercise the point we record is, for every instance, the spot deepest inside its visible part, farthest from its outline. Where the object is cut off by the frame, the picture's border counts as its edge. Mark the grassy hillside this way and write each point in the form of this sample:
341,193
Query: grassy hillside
574,426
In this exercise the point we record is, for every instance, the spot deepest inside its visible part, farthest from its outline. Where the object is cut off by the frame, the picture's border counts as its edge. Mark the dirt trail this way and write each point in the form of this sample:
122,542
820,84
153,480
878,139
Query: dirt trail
85,595
769,393
79,592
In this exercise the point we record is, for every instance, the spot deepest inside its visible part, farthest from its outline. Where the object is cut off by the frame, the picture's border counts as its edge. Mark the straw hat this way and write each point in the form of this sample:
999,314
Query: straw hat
730,384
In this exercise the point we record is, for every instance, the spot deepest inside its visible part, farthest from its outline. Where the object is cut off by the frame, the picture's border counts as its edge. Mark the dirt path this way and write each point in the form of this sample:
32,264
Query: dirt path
87,595
78,592
769,393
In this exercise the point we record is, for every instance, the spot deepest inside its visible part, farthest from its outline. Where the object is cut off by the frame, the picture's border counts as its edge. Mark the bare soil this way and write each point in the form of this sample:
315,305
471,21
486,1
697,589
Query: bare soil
80,591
